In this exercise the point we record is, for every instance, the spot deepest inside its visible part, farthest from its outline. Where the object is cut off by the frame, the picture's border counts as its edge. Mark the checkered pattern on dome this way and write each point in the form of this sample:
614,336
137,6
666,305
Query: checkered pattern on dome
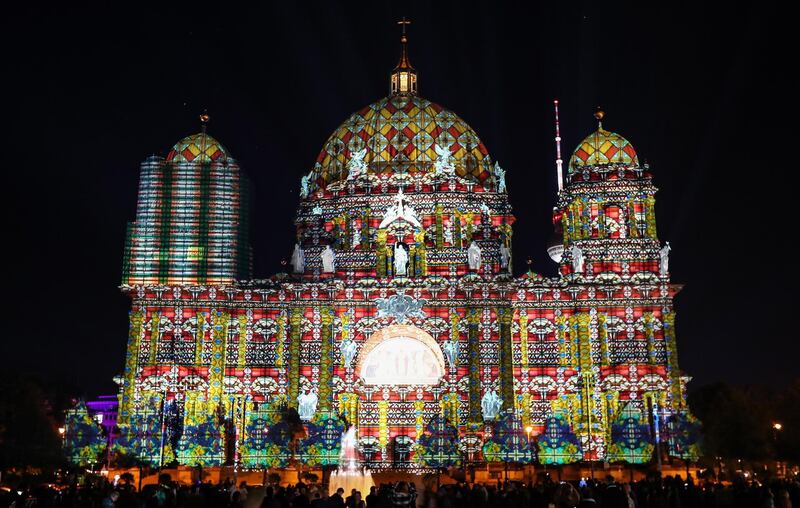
603,147
402,129
198,147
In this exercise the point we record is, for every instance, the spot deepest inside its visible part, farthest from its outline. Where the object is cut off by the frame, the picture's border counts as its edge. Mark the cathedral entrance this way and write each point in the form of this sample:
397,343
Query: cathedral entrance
401,355
398,366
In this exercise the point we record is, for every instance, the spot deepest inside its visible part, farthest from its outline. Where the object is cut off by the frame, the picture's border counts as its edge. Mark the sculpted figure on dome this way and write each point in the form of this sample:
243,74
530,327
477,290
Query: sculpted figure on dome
663,255
474,256
307,405
442,164
400,210
357,166
400,259
298,259
328,260
305,186
491,404
500,175
577,258
505,256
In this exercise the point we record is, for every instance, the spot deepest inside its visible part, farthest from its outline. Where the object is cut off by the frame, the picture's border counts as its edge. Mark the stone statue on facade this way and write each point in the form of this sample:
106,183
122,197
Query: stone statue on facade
357,166
356,237
663,255
577,258
298,259
328,260
307,405
348,349
450,348
400,259
474,256
491,404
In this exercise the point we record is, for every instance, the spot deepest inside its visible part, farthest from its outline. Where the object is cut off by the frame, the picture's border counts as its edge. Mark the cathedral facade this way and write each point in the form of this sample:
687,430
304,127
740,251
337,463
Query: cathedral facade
401,315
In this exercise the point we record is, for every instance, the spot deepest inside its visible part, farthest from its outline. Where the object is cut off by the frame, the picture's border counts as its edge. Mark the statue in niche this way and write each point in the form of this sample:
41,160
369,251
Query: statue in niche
357,166
577,258
500,175
400,259
663,255
442,165
491,404
348,349
505,256
307,405
448,231
328,260
356,236
474,256
298,259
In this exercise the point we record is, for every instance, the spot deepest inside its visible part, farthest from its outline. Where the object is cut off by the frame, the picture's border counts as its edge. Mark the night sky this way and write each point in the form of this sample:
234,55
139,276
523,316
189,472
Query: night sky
700,92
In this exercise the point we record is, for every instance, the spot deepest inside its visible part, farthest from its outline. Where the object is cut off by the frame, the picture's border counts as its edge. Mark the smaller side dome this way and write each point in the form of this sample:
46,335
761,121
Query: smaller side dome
603,147
198,147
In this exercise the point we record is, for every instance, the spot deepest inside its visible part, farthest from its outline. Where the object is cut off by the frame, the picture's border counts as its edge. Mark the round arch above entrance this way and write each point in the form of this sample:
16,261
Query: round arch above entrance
400,355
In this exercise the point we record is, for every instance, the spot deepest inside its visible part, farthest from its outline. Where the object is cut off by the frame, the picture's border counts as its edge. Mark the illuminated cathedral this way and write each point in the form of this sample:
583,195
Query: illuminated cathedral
401,315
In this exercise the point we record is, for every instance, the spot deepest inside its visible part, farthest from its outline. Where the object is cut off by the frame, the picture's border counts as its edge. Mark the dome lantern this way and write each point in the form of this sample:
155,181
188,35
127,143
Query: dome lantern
404,76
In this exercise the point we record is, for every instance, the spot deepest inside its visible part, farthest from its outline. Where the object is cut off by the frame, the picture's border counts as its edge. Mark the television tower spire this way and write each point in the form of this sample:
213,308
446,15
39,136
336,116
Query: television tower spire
559,162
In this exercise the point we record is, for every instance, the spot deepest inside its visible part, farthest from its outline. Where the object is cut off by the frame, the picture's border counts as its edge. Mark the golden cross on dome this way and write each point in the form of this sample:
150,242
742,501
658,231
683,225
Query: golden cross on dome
403,22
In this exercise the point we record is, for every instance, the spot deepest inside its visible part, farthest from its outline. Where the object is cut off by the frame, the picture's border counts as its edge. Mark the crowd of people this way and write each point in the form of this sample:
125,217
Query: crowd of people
655,492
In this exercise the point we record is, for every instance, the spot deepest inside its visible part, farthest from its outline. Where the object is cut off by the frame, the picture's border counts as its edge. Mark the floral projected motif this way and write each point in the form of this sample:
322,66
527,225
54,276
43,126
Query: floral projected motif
630,437
400,307
558,444
84,442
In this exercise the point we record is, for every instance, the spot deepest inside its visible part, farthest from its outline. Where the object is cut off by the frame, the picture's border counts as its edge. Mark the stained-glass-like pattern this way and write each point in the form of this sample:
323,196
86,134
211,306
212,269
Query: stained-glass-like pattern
191,222
84,442
558,444
509,442
401,133
437,447
683,435
603,147
631,441
140,439
203,441
323,442
198,147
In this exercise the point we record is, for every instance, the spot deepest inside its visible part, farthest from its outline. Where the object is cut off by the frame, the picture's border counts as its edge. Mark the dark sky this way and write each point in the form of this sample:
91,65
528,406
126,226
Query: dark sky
699,91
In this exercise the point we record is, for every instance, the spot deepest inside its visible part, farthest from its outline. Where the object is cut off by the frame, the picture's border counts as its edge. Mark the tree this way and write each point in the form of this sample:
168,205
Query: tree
28,431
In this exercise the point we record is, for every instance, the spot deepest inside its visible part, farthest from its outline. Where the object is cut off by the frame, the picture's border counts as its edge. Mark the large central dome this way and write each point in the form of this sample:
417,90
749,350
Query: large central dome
401,133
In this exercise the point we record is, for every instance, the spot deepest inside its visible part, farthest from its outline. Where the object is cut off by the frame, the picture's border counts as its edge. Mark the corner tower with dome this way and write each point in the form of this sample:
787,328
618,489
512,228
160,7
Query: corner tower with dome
401,314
